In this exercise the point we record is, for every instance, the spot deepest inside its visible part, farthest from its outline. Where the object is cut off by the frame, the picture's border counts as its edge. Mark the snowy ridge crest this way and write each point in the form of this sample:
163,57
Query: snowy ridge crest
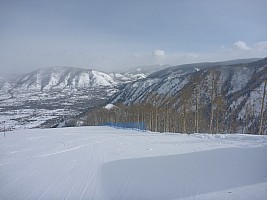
62,77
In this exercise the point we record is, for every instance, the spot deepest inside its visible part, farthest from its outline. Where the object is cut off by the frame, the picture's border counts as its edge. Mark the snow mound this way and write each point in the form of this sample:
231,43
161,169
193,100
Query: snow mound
109,106
194,175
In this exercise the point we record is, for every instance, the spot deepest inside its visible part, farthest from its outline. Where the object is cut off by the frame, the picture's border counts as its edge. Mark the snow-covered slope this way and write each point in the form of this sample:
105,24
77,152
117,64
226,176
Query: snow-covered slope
169,82
237,90
104,163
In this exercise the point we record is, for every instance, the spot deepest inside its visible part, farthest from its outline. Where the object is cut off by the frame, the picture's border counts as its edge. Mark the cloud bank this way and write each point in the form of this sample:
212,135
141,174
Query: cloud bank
240,45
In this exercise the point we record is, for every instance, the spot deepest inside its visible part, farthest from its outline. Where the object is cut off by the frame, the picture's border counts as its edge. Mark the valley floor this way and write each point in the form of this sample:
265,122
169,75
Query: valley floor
107,163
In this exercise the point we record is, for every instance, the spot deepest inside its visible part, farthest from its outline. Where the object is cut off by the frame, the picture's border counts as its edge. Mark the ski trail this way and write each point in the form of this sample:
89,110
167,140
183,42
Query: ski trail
45,155
78,175
101,156
87,184
19,181
38,185
49,186
63,151
104,163
89,189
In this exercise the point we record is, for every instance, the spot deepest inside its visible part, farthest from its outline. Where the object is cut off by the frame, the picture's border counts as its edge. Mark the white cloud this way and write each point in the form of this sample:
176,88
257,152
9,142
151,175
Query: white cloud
158,53
240,45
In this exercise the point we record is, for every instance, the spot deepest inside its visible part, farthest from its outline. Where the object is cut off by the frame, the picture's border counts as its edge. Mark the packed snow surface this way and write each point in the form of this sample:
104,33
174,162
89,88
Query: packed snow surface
107,163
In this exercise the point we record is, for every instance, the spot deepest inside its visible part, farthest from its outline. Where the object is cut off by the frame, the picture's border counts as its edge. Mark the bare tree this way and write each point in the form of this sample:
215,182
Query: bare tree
197,108
220,110
261,129
212,96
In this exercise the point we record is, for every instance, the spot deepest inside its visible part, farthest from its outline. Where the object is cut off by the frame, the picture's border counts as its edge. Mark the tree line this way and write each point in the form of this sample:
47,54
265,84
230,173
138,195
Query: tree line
190,112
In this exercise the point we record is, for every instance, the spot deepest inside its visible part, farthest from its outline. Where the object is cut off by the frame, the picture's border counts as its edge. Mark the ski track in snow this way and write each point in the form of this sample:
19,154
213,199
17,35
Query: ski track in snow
106,163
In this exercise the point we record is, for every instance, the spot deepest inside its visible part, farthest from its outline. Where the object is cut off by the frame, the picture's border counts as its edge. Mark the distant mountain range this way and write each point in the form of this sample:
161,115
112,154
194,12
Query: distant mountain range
45,96
59,78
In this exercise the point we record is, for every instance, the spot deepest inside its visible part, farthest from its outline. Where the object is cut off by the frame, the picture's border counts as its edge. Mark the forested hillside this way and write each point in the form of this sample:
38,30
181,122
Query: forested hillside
218,99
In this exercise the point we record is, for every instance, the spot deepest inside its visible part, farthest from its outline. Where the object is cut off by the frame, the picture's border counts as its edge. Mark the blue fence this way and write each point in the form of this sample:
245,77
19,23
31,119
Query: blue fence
127,125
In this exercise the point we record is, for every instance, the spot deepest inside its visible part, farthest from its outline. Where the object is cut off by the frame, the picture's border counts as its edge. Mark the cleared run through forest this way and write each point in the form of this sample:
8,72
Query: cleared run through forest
108,163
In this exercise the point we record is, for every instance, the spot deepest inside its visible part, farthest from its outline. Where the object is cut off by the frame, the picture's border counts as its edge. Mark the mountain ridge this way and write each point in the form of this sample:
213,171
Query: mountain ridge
225,99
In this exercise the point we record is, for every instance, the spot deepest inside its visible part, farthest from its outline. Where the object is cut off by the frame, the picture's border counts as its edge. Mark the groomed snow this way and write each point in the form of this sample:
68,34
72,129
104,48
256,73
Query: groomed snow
106,163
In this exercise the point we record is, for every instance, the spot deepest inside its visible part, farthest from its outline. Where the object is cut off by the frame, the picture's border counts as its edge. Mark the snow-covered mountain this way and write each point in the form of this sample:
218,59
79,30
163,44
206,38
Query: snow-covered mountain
169,81
234,92
61,78
47,94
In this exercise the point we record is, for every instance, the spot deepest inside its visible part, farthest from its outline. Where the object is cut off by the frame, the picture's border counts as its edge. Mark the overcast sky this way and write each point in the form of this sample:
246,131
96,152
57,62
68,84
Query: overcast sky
116,34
